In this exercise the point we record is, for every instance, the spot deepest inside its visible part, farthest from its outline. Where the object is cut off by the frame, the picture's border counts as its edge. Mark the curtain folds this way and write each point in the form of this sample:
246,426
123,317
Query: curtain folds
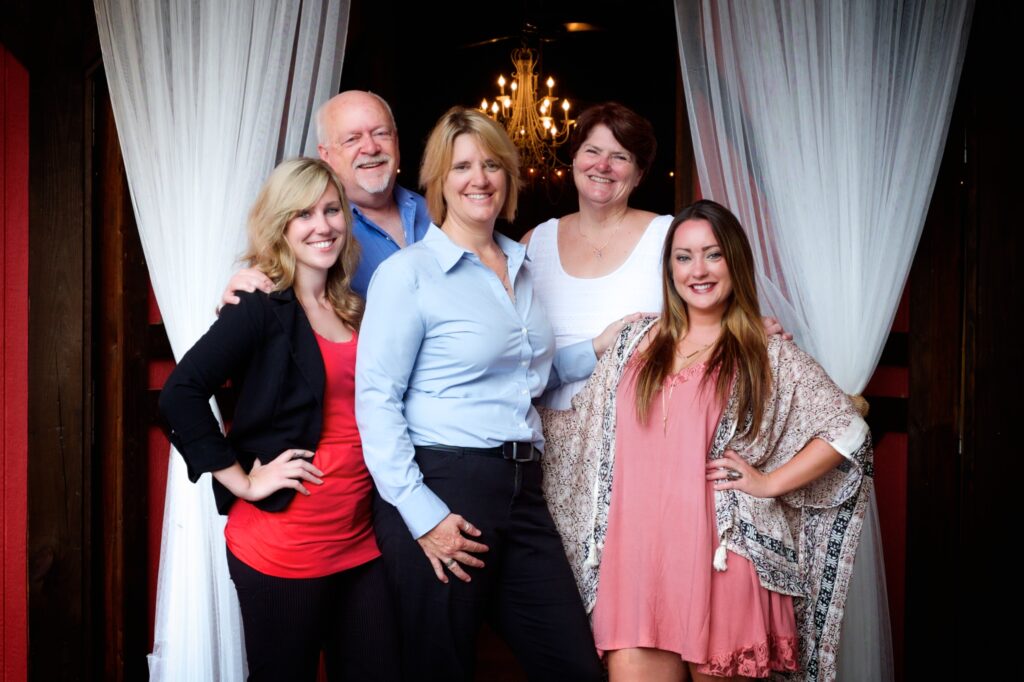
821,124
208,97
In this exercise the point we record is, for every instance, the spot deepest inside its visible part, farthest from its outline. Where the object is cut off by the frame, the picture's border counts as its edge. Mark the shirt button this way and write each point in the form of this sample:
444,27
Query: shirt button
524,330
524,363
524,391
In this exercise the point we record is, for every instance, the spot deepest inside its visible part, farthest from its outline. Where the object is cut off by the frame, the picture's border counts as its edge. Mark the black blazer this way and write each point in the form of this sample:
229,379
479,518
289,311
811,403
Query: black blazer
265,346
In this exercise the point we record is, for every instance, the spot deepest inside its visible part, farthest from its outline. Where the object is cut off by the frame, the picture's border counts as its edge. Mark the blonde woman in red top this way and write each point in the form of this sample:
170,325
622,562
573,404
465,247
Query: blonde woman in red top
290,474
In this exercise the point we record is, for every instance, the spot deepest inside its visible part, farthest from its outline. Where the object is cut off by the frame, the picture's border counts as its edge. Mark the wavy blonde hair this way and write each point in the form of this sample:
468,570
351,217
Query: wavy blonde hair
437,158
742,348
292,187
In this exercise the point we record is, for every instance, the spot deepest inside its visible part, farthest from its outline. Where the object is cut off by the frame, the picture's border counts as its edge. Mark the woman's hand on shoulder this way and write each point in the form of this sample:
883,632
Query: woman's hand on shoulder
606,338
447,547
772,327
249,279
287,470
732,472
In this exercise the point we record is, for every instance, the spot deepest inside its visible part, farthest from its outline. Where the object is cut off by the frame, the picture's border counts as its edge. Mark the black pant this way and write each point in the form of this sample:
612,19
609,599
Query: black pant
288,621
526,590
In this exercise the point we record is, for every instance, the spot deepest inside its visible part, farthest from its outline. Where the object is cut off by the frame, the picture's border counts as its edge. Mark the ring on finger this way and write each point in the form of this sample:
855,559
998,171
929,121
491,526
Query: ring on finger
733,475
450,563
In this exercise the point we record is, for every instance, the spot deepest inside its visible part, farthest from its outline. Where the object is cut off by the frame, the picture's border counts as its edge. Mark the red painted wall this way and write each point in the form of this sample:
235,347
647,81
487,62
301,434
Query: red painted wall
159,448
14,367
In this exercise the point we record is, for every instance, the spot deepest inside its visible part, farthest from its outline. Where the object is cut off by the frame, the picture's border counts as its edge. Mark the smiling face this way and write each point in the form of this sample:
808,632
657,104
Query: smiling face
605,173
474,188
361,146
317,234
700,274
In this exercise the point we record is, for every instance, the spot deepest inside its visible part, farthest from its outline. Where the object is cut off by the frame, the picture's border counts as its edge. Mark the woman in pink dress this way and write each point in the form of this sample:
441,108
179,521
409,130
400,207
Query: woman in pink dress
710,481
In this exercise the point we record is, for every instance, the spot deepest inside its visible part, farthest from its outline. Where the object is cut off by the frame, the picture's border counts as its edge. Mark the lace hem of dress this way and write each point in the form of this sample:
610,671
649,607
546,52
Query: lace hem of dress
778,654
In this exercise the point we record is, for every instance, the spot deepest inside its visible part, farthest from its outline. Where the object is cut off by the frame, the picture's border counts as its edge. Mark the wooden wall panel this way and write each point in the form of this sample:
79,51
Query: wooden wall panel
965,371
122,286
61,580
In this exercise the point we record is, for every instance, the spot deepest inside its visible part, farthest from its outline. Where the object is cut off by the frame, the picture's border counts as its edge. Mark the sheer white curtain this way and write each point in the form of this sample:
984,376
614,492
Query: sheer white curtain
208,97
821,123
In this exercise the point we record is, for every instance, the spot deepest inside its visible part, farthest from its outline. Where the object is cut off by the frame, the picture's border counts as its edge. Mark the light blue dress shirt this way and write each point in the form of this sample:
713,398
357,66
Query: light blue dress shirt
376,245
446,358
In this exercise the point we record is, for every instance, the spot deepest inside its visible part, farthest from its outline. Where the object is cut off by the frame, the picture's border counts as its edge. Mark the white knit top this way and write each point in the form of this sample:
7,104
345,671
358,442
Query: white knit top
580,308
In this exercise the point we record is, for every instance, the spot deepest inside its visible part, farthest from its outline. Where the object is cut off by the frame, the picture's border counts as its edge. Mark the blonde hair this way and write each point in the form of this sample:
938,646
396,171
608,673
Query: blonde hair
742,348
292,187
437,158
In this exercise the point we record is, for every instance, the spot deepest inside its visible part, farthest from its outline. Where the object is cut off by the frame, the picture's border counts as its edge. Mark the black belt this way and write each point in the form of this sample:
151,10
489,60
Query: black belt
514,452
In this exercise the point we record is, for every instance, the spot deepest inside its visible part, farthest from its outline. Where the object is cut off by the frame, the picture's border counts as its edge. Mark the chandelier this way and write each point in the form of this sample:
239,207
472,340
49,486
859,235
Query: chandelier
530,118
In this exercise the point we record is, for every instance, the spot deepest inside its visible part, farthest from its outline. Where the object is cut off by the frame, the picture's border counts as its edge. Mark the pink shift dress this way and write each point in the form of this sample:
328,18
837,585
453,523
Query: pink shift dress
658,588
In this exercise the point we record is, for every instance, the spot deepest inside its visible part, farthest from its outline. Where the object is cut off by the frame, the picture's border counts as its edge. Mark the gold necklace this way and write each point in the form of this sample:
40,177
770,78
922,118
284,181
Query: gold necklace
673,380
699,350
598,250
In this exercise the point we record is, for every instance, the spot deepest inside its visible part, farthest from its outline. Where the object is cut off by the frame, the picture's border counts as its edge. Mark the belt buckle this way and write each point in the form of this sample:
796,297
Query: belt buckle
514,454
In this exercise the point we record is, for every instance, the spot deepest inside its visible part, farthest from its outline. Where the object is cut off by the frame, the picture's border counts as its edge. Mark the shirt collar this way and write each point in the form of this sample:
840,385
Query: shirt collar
447,253
403,199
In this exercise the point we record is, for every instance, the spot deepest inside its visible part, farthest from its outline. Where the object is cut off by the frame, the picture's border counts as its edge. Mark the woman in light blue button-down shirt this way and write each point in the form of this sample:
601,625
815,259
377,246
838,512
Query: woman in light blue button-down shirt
454,349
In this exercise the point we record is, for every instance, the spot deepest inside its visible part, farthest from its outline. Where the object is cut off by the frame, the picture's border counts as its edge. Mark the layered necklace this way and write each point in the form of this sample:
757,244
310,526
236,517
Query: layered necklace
689,360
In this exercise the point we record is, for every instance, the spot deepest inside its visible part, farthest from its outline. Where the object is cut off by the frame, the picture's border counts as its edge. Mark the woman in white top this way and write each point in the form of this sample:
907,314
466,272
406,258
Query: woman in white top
602,262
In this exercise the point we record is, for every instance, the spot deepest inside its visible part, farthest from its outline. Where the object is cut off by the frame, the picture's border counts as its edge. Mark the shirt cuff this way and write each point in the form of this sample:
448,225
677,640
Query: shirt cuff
575,362
422,510
850,440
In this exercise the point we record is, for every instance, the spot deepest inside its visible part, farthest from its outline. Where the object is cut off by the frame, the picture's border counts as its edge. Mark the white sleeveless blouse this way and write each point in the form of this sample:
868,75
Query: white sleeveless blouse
580,308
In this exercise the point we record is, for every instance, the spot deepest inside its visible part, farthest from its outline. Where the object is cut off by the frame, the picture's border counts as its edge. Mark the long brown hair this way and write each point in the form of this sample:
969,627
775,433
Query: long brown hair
292,187
741,351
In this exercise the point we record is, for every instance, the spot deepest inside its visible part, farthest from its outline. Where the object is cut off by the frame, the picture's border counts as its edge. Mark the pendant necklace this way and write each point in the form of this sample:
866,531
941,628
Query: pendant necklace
598,250
672,385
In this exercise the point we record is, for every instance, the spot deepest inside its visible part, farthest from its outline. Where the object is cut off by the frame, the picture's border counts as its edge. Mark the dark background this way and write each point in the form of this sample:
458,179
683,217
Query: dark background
426,57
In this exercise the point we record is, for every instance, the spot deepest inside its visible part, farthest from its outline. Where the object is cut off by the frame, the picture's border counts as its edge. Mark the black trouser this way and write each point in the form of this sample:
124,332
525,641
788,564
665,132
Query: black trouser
288,621
526,590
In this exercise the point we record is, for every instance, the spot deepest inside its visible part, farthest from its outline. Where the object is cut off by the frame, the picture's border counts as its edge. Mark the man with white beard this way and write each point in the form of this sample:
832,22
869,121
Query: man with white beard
359,140
357,137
